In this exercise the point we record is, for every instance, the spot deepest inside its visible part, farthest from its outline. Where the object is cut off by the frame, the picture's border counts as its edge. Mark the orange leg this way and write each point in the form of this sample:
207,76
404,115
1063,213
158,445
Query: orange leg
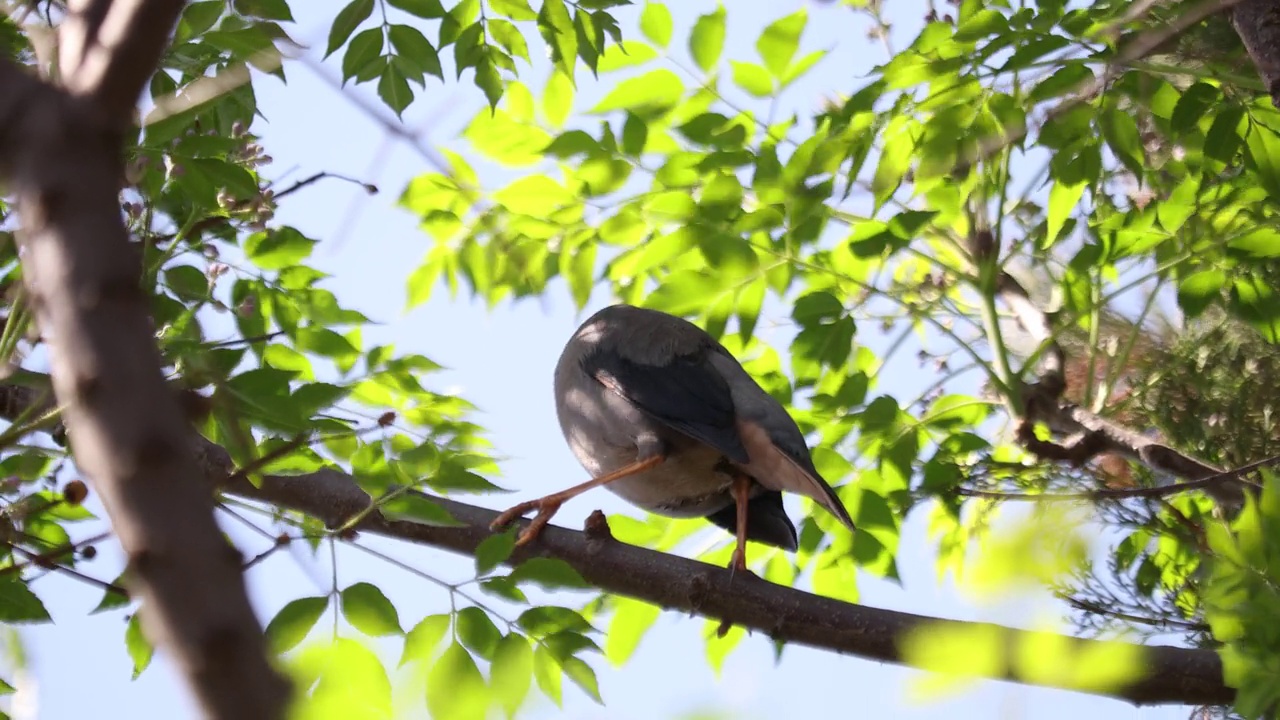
547,506
741,494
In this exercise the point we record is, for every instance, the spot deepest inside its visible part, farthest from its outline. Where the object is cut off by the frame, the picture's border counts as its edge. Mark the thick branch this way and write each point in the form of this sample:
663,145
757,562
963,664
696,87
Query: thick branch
1092,434
122,44
61,156
1257,22
1174,675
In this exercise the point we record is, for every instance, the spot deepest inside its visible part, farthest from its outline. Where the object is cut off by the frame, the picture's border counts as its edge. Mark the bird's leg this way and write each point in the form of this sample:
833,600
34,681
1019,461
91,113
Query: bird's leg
741,490
548,505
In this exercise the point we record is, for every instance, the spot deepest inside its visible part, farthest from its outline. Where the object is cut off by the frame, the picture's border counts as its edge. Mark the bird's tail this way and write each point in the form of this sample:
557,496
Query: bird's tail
767,522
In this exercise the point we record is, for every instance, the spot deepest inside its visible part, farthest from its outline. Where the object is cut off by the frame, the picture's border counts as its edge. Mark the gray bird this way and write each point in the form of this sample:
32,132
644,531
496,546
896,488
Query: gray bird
660,413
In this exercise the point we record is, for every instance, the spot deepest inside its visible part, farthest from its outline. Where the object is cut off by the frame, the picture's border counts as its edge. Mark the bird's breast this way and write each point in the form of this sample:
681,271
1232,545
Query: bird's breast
601,428
691,483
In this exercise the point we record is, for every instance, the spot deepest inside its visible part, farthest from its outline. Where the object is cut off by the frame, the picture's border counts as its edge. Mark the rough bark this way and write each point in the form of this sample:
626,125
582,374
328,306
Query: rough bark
1257,22
60,153
1173,675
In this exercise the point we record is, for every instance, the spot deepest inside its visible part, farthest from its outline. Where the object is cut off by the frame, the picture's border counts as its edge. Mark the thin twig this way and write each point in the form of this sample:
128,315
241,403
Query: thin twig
1125,493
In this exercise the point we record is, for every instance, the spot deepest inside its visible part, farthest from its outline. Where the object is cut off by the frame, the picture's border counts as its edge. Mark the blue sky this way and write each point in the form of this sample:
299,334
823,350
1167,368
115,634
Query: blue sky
502,361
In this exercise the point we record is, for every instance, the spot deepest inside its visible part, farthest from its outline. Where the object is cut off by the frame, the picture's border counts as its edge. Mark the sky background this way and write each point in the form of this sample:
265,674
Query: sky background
502,360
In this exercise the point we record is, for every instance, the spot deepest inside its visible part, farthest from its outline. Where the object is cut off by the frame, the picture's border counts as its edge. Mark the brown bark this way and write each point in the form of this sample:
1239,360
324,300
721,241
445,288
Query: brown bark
1172,675
60,151
1257,22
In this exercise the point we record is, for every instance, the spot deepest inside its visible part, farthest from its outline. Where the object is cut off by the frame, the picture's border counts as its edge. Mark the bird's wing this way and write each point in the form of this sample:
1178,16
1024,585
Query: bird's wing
686,394
778,465
779,458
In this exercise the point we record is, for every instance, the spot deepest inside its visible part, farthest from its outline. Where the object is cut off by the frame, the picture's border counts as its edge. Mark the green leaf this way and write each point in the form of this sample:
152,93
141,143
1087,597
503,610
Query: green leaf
684,292
981,24
421,642
1200,290
956,412
265,9
583,676
509,37
656,90
393,88
18,604
550,573
1121,133
1063,198
546,670
429,9
418,509
706,42
489,81
1192,106
1065,80
777,44
798,69
1264,152
534,195
656,24
752,78
579,271
413,46
561,36
503,588
557,98
283,357
346,22
187,282
1257,303
550,619
631,619
514,9
369,611
197,18
363,54
112,599
323,341
477,631
455,687
494,550
291,625
344,678
627,54
512,672
469,47
278,248
1223,139
1263,242
137,645
895,159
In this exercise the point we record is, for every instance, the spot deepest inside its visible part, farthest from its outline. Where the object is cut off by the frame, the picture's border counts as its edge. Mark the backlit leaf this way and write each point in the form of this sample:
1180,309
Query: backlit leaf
707,39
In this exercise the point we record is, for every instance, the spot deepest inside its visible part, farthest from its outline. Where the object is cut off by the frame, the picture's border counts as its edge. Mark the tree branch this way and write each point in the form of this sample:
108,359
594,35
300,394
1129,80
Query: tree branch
1257,22
61,154
1172,675
1092,435
1124,493
123,41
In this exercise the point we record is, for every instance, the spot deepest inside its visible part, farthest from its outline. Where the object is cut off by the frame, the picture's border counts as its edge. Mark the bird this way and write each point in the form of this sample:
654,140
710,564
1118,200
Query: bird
662,415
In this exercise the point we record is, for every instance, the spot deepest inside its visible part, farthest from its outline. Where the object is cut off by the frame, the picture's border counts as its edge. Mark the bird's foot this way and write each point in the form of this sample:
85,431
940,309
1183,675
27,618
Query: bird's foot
738,564
546,508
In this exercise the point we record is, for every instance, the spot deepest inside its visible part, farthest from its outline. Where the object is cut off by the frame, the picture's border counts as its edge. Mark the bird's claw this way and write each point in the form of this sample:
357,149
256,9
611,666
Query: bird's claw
546,508
738,564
